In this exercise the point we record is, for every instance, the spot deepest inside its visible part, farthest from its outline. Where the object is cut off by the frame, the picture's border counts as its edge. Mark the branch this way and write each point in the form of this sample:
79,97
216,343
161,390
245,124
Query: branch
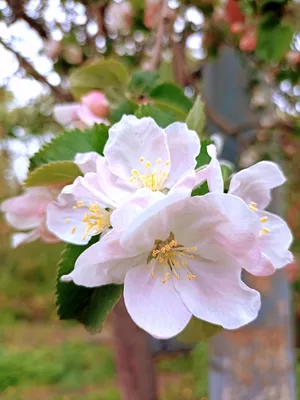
58,92
37,26
162,28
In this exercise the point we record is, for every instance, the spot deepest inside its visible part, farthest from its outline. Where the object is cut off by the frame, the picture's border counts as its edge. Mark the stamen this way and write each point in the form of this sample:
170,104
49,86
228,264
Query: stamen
135,172
265,230
147,164
80,203
167,162
68,220
73,230
252,203
158,161
74,207
263,219
252,208
142,159
193,248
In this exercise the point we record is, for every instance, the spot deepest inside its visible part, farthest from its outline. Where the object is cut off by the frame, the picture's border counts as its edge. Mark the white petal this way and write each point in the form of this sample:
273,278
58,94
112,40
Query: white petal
65,114
125,214
218,295
87,117
154,306
21,238
212,173
103,263
87,162
263,268
255,183
184,146
133,138
219,142
276,243
185,184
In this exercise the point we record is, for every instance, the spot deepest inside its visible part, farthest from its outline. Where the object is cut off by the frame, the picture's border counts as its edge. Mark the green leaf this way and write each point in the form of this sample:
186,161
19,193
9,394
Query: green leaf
162,118
177,113
52,173
67,145
198,330
274,39
142,82
127,107
87,305
171,95
226,174
203,158
196,117
99,75
200,190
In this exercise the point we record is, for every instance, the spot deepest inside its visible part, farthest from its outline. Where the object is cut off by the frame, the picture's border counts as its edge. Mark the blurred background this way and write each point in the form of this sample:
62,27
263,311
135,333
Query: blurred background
244,58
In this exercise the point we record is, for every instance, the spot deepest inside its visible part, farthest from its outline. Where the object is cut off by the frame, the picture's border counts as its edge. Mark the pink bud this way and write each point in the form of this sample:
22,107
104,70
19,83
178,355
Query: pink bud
248,41
237,27
97,103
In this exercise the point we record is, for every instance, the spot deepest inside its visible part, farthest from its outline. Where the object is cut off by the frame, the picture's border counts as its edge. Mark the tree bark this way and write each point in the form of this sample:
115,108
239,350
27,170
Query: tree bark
135,368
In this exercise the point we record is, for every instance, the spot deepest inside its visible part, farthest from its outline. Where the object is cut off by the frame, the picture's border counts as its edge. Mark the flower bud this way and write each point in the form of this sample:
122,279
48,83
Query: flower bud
97,103
248,41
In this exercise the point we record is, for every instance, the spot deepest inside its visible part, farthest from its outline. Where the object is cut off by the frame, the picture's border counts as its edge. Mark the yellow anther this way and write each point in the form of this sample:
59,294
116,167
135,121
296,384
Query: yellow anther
142,159
132,180
152,275
163,250
191,256
135,172
186,250
74,207
190,277
158,161
68,220
73,229
252,203
265,230
176,263
194,248
161,260
80,203
184,262
168,247
181,254
168,275
164,174
147,164
252,208
263,219
168,162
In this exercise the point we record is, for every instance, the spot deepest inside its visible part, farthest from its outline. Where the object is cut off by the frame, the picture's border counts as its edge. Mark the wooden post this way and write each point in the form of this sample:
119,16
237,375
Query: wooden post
255,362
135,369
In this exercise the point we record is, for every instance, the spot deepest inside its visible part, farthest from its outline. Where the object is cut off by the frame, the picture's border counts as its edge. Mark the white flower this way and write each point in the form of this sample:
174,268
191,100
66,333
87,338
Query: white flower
176,258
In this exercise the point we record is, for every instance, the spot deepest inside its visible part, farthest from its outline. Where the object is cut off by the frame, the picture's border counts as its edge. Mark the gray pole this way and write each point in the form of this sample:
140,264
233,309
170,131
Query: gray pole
257,361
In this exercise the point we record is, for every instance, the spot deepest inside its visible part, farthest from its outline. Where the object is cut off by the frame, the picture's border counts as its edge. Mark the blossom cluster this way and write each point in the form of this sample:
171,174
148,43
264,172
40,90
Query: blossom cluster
178,253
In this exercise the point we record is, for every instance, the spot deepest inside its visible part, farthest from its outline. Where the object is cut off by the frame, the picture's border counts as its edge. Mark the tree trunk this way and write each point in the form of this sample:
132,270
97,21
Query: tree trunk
135,369
255,362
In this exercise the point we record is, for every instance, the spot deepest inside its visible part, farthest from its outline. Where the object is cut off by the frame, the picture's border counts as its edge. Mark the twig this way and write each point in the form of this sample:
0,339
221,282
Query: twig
36,25
162,28
30,70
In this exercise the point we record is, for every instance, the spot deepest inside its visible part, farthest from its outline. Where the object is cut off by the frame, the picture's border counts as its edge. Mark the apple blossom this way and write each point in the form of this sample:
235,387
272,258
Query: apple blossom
27,212
173,262
97,103
254,185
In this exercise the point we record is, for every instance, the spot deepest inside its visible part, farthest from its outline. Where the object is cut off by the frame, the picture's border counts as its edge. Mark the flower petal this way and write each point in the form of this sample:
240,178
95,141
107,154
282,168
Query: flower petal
218,295
87,117
212,173
87,162
185,184
276,243
184,146
65,114
18,239
262,268
103,263
154,306
132,140
255,183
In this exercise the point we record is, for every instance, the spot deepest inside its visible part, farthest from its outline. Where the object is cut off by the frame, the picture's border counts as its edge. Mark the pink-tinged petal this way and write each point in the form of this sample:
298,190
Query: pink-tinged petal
185,184
87,162
27,211
87,117
132,140
154,306
97,102
18,239
262,268
277,239
122,217
65,114
47,236
184,146
255,183
212,173
103,263
217,294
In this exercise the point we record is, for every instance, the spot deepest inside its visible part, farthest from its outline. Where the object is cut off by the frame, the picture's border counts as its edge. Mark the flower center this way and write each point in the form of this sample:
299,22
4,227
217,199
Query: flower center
263,220
172,256
96,219
150,178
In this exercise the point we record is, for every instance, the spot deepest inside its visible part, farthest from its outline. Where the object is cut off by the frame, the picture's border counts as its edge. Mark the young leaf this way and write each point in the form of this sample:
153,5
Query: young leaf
142,82
67,145
90,306
99,75
203,158
196,117
162,118
171,95
126,107
53,173
198,330
200,190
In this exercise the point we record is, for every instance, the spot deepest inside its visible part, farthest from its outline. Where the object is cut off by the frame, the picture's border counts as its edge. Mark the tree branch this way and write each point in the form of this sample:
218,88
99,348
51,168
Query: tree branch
36,25
58,92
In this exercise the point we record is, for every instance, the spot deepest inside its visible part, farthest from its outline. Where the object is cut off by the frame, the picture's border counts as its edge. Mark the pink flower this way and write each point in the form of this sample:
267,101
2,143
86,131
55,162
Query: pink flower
118,16
254,185
75,115
97,103
28,212
173,262
138,154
